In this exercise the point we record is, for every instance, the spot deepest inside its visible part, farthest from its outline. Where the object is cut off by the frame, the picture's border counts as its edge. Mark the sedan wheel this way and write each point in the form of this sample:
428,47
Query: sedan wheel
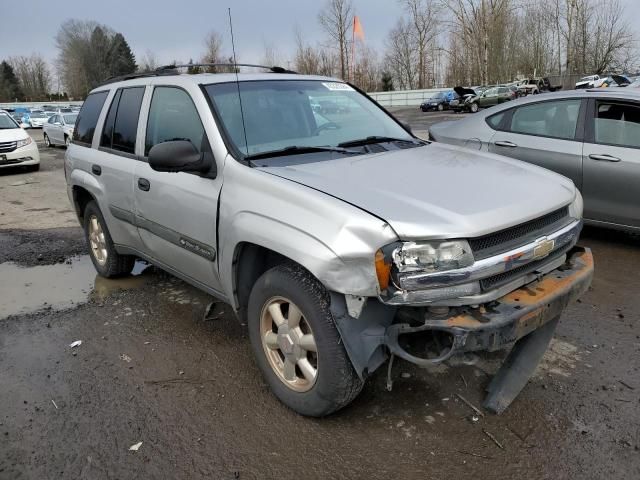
440,107
67,141
47,142
474,108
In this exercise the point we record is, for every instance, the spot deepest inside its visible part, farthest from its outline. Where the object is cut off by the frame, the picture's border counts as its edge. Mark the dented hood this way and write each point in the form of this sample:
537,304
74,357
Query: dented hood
437,191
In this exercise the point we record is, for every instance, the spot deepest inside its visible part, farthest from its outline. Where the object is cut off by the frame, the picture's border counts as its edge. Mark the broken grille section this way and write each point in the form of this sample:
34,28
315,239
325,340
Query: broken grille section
514,237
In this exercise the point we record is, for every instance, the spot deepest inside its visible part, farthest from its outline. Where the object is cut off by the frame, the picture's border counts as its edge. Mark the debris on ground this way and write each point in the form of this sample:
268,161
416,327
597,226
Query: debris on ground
125,357
75,344
54,404
135,447
471,405
490,435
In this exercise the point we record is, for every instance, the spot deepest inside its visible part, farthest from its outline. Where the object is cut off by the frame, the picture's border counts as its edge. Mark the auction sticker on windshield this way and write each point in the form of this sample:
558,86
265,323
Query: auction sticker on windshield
337,86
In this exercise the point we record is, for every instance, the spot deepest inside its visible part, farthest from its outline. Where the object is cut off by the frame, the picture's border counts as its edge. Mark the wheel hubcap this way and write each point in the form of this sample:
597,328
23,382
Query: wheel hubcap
97,240
289,344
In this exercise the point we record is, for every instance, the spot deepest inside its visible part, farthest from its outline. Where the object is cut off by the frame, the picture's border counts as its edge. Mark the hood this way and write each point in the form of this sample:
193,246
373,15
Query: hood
462,91
437,191
12,134
621,80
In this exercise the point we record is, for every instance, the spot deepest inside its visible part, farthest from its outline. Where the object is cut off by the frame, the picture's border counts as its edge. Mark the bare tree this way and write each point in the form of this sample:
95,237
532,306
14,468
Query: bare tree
270,56
213,50
424,19
400,59
33,76
148,62
337,19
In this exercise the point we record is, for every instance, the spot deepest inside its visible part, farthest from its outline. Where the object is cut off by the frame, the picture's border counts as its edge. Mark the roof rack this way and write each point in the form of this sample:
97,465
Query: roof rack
273,69
171,70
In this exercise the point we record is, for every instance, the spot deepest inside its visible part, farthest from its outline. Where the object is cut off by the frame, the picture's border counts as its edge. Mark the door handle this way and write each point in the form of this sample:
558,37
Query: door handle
96,170
603,157
504,143
143,184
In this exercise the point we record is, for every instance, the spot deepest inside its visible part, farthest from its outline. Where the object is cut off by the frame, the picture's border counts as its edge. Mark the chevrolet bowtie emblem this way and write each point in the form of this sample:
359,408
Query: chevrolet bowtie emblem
543,247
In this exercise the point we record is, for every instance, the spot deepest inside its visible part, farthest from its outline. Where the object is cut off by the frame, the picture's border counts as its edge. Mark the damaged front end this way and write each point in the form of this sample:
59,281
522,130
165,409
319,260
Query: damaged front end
513,298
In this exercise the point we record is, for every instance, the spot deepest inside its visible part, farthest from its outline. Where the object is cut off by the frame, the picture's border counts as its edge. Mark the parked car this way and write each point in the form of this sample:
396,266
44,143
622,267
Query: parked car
590,81
438,101
35,118
635,83
614,81
58,130
591,137
534,86
16,146
326,241
470,101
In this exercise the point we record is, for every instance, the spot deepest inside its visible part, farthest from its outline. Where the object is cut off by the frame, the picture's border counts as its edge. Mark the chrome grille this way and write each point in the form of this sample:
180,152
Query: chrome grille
6,147
514,237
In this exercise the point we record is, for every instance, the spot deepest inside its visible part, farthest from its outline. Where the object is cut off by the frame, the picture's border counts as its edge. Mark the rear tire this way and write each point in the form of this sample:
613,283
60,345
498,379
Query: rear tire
107,261
440,107
278,339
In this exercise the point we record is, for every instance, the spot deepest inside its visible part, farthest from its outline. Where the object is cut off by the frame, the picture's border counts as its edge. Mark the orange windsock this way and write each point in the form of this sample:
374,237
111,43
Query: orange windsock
358,32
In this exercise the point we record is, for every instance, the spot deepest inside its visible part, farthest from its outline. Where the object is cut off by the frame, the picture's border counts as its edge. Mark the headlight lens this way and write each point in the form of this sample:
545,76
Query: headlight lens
432,256
575,209
24,142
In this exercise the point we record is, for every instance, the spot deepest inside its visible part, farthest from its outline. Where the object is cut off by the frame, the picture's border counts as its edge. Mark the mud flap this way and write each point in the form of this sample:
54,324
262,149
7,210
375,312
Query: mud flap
518,367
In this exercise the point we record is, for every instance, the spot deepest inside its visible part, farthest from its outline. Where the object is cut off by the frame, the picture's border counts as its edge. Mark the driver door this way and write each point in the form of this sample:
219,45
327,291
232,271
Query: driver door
176,212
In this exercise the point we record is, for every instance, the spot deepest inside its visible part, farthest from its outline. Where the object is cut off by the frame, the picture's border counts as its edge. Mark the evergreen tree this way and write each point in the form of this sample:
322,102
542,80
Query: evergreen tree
10,90
387,82
121,58
98,65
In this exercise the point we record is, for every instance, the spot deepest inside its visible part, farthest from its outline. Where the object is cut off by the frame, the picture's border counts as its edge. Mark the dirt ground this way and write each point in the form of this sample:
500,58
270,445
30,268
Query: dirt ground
159,364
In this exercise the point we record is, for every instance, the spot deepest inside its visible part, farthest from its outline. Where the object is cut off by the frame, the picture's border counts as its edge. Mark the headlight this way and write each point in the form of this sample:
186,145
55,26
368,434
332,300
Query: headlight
433,256
575,209
24,142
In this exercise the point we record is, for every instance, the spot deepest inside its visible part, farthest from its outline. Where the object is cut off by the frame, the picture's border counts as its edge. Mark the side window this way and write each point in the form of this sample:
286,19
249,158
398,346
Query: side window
494,121
617,124
173,116
121,125
88,118
550,119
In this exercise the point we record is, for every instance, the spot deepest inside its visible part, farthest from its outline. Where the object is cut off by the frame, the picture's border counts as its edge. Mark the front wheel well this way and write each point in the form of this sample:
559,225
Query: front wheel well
249,263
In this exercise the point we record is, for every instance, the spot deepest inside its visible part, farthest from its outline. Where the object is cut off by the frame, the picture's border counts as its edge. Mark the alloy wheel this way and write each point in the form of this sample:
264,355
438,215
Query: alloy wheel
97,240
289,344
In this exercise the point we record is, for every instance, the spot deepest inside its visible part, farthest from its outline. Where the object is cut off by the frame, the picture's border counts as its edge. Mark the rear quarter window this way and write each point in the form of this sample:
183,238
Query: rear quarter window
88,118
495,121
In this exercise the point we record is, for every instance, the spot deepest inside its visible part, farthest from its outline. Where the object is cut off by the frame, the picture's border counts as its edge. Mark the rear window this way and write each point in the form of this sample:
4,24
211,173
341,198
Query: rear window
121,126
88,118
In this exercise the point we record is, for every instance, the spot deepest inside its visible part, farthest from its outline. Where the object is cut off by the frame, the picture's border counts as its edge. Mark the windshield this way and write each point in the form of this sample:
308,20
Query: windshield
70,119
280,114
7,122
37,114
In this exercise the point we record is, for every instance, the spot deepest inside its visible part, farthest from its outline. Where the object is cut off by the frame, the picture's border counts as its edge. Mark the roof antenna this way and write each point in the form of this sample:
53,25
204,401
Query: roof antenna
235,67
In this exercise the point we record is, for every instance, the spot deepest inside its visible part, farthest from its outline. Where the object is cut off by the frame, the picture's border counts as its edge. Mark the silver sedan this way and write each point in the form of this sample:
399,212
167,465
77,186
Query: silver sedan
58,130
590,136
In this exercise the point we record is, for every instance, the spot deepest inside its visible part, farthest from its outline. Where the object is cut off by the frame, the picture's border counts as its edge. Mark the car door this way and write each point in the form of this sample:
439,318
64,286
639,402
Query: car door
611,159
113,163
55,129
177,212
488,98
547,133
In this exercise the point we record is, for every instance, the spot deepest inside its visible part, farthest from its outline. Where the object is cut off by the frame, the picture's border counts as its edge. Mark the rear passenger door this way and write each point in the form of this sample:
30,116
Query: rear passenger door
547,133
177,212
114,164
612,162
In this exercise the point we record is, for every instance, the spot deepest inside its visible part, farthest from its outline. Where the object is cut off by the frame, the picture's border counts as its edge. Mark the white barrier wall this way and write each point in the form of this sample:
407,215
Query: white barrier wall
404,98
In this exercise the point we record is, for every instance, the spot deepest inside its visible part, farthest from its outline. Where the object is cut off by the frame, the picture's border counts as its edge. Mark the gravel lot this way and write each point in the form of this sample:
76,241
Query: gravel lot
160,365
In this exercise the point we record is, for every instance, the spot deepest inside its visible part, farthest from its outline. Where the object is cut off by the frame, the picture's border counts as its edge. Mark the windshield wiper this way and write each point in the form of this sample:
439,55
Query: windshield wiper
377,139
298,150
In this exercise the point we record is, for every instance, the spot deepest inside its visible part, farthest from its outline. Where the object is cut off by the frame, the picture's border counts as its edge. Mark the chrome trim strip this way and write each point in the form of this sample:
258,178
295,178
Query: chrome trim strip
490,266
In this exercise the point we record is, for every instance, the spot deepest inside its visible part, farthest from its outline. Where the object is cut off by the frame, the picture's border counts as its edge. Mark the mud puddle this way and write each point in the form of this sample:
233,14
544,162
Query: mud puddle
60,286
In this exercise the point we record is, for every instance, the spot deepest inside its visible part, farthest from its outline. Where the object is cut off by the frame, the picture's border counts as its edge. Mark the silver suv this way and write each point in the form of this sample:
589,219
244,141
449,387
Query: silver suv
340,238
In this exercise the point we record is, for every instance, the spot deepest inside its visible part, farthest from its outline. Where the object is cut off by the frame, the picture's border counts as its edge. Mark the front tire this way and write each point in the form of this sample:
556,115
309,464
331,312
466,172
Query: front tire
474,108
106,260
297,345
67,141
47,142
440,107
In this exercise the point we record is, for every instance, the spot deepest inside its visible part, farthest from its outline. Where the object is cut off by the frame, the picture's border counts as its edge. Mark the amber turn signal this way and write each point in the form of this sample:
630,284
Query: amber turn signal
383,270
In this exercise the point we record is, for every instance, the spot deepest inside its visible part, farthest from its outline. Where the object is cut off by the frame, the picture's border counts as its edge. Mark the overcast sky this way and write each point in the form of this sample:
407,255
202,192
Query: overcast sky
175,30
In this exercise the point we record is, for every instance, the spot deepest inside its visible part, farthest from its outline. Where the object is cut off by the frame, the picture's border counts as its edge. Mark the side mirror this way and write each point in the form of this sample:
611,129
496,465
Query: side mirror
180,156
